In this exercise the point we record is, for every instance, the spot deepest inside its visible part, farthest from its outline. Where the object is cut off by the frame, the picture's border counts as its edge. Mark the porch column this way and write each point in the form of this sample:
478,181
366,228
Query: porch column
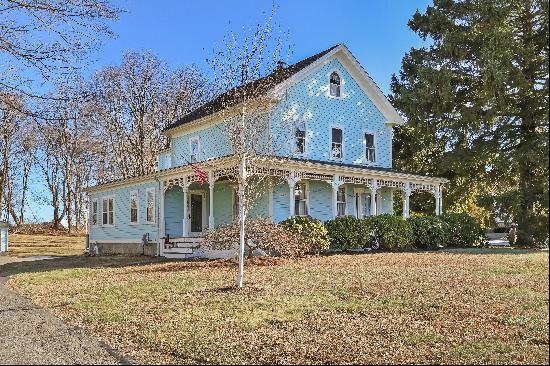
406,201
437,194
162,225
373,189
441,200
185,232
336,183
291,184
211,182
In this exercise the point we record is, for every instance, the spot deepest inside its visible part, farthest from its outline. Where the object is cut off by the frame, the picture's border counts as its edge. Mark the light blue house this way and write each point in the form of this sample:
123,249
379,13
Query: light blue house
329,138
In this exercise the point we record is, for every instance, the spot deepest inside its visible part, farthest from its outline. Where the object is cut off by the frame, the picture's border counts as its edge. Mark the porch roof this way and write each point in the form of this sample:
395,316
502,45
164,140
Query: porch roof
283,167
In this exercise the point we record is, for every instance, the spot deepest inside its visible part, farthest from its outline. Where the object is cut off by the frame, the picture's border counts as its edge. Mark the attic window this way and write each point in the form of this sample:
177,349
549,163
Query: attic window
335,85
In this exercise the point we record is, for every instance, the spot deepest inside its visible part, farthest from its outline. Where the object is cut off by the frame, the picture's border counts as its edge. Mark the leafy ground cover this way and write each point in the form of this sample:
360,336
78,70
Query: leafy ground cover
460,306
23,245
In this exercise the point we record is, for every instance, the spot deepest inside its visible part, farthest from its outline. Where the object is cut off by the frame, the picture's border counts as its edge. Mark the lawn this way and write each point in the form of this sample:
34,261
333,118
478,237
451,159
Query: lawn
22,245
445,307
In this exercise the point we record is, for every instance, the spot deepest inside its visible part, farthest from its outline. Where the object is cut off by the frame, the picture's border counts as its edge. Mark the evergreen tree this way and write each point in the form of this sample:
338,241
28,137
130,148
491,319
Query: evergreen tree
476,100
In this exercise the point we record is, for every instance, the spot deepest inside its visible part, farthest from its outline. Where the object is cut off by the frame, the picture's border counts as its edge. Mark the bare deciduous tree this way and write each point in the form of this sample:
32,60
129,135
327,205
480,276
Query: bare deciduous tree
133,102
48,37
240,68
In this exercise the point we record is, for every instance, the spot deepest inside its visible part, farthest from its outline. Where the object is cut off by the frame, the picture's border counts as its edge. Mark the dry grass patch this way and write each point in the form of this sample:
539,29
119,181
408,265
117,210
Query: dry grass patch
382,308
22,245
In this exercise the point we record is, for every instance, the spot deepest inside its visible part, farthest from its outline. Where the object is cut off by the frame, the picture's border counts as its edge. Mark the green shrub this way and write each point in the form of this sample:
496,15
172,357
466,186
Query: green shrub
347,232
310,230
464,230
429,232
391,232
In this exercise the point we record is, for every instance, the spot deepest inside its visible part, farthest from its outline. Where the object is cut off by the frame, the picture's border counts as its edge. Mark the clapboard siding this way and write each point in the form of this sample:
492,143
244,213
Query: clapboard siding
308,101
122,229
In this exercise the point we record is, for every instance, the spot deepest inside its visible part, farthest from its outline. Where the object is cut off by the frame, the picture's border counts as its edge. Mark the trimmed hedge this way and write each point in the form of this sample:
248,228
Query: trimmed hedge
464,230
310,230
429,232
391,232
347,232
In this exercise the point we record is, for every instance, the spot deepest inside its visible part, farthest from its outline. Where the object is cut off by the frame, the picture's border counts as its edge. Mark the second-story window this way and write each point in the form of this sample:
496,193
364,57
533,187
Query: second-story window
335,85
370,149
194,147
337,144
300,138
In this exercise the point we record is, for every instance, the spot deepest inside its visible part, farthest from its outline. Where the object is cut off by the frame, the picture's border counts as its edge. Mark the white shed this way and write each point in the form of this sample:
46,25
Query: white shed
3,237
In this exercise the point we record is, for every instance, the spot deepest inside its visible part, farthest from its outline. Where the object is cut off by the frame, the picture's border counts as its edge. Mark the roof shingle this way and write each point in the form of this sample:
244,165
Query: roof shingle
258,87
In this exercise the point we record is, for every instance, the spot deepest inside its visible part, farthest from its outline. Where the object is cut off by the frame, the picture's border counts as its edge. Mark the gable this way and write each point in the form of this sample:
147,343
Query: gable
307,101
357,73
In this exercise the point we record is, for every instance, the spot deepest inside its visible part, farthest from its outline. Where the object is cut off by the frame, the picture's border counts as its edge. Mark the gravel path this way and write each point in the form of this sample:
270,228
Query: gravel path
31,335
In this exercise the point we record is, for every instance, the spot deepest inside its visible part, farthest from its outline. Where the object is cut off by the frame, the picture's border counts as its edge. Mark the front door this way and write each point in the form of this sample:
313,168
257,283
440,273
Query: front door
362,203
196,213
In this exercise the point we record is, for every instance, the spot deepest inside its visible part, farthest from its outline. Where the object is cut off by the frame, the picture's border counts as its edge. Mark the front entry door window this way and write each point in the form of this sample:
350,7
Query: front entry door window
196,213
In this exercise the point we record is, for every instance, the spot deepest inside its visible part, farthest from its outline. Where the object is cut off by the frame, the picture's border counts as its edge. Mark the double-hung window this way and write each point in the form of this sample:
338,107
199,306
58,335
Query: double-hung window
134,207
194,149
150,214
94,213
300,138
341,201
335,87
300,199
336,149
108,207
370,148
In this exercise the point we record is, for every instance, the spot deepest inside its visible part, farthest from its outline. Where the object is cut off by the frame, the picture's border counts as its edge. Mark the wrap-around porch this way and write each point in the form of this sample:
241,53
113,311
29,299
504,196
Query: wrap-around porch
324,191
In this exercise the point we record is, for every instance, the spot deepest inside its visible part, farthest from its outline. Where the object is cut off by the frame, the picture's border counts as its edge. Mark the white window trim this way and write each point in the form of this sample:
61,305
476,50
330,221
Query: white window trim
137,199
293,139
191,140
330,157
341,84
96,214
365,161
147,205
345,200
306,187
114,211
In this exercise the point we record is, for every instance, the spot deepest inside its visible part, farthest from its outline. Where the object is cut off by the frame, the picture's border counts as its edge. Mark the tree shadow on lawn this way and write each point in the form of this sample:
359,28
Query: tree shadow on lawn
72,262
118,261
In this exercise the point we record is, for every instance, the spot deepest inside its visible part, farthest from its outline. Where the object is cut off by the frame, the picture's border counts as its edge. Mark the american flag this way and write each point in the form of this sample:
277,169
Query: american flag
200,173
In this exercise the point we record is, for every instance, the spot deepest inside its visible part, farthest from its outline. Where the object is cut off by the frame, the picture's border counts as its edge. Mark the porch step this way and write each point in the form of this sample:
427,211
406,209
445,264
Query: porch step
187,240
179,251
183,248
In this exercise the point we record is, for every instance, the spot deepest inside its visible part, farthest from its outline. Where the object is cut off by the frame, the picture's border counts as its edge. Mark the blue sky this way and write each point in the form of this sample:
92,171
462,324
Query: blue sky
184,32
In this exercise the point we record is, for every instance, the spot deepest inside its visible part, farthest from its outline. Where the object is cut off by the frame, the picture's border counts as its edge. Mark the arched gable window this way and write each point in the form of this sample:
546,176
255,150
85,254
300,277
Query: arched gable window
335,85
